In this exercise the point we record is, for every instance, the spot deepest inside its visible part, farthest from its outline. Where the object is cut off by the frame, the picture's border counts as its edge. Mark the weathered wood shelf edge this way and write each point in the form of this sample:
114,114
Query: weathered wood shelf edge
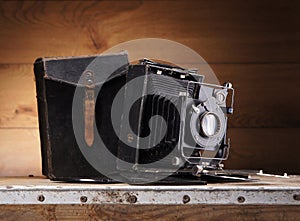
38,190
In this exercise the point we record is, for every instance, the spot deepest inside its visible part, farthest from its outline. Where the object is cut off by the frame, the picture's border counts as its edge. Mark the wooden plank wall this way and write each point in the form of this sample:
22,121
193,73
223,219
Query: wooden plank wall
254,44
147,212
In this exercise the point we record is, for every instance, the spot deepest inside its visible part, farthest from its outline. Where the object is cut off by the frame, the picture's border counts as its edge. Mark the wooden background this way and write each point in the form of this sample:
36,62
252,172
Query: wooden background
254,44
148,212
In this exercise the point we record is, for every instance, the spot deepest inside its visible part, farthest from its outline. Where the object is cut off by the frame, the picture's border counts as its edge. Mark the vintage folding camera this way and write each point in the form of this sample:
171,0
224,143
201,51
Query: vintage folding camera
103,119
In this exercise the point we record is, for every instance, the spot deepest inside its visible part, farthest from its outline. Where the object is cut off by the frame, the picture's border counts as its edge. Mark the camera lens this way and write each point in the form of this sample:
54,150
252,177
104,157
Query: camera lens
209,124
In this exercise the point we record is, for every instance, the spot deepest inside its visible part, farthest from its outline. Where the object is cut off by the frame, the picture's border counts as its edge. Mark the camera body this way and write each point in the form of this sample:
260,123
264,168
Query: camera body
193,138
143,123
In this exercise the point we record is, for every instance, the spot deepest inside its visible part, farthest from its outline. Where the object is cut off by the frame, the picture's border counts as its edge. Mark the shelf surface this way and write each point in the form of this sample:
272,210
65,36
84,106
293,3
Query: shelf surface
38,190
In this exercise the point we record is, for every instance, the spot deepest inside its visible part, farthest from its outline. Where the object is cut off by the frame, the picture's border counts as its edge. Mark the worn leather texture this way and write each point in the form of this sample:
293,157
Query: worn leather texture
56,81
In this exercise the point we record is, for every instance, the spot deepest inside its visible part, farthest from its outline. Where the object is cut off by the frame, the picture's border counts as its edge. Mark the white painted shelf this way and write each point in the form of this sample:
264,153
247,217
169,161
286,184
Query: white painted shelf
38,190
